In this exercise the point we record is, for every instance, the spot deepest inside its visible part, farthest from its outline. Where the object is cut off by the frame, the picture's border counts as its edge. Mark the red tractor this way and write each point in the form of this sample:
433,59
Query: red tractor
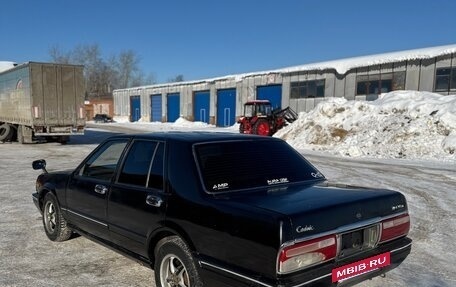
259,118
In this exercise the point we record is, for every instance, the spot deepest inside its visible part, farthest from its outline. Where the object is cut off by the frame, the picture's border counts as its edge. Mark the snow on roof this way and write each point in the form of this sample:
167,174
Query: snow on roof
344,65
341,66
5,65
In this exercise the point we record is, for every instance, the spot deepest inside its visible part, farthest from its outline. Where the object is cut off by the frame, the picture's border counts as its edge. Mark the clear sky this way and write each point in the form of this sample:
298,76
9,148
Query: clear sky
210,38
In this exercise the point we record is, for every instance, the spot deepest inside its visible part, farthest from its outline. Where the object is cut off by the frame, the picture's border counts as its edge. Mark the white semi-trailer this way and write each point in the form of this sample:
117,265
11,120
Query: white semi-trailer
41,101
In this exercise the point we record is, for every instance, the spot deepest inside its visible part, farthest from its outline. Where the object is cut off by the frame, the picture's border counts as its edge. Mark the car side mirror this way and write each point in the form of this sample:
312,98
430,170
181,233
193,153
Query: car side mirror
39,164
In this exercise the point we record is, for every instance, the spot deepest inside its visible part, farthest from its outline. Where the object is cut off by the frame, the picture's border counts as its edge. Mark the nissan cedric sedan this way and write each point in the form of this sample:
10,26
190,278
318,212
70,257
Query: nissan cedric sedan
215,209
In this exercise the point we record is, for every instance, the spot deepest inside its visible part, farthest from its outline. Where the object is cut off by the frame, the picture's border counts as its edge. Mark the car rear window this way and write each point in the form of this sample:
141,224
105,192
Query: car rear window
234,165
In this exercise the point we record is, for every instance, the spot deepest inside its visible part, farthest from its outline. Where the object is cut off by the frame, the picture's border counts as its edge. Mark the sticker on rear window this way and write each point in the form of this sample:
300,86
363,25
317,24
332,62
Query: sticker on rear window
277,181
316,174
220,186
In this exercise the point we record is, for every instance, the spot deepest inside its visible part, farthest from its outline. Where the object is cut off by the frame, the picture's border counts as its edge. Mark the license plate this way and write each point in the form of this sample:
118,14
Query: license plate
360,267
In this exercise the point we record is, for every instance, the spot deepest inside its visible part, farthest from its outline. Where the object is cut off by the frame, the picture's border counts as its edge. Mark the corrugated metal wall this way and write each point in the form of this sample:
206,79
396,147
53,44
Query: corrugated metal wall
419,75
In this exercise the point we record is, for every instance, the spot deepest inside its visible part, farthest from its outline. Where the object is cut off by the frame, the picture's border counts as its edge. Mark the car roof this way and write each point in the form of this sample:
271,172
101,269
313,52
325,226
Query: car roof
195,136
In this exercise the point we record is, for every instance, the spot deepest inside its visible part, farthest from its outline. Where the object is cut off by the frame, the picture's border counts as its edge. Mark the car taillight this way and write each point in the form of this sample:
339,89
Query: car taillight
307,253
395,227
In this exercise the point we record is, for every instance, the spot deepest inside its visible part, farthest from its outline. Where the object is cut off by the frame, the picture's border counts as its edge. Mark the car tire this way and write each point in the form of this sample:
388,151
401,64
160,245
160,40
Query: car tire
174,265
54,223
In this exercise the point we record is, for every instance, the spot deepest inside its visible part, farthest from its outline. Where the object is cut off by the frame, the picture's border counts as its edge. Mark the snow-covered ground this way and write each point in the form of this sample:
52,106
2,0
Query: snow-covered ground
403,141
430,192
180,124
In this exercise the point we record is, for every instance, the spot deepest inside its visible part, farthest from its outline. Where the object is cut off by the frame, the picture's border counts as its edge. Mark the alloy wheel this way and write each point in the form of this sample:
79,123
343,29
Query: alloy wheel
50,217
173,272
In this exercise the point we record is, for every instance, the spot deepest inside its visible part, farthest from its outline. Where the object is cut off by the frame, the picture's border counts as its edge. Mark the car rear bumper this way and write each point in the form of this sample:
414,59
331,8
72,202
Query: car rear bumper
317,276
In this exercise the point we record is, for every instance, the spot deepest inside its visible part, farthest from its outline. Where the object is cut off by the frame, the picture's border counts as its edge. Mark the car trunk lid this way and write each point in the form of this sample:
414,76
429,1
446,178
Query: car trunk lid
326,207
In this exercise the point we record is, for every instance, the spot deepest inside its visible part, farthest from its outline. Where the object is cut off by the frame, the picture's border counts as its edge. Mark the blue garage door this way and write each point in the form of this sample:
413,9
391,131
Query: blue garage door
173,108
201,106
226,107
272,93
135,108
156,108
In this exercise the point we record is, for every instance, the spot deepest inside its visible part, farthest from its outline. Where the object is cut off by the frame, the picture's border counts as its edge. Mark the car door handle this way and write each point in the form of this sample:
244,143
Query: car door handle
153,200
101,189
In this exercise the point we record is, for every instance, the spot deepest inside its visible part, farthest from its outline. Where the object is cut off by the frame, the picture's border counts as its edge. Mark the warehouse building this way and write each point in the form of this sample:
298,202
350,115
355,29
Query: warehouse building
220,100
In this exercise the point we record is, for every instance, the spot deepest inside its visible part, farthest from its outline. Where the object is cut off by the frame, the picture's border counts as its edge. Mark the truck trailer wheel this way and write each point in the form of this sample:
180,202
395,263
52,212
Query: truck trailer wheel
6,132
63,139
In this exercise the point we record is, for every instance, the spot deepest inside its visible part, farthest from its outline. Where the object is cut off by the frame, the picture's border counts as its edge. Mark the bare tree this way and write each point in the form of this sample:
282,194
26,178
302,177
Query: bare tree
58,56
102,76
127,68
150,79
178,78
127,71
94,67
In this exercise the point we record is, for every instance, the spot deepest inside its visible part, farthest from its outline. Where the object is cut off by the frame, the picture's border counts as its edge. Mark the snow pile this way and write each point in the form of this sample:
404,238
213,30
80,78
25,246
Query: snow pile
181,122
400,124
121,119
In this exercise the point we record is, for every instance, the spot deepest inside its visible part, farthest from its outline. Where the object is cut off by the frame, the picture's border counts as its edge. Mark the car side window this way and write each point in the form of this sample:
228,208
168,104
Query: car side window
143,165
103,163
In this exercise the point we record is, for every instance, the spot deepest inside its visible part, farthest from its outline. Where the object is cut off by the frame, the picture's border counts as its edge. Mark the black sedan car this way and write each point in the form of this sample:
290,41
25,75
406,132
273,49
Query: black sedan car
214,209
102,118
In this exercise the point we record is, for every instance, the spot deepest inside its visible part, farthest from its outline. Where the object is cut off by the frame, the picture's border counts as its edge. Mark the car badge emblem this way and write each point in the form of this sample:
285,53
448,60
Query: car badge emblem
396,207
301,229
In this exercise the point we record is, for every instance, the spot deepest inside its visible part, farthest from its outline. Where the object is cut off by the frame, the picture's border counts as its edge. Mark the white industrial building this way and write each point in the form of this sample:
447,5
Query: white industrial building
220,100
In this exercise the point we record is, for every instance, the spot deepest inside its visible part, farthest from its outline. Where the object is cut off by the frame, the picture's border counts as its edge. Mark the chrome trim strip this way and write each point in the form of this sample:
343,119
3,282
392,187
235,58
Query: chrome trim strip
345,228
400,248
281,232
85,217
234,273
338,230
359,225
395,215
